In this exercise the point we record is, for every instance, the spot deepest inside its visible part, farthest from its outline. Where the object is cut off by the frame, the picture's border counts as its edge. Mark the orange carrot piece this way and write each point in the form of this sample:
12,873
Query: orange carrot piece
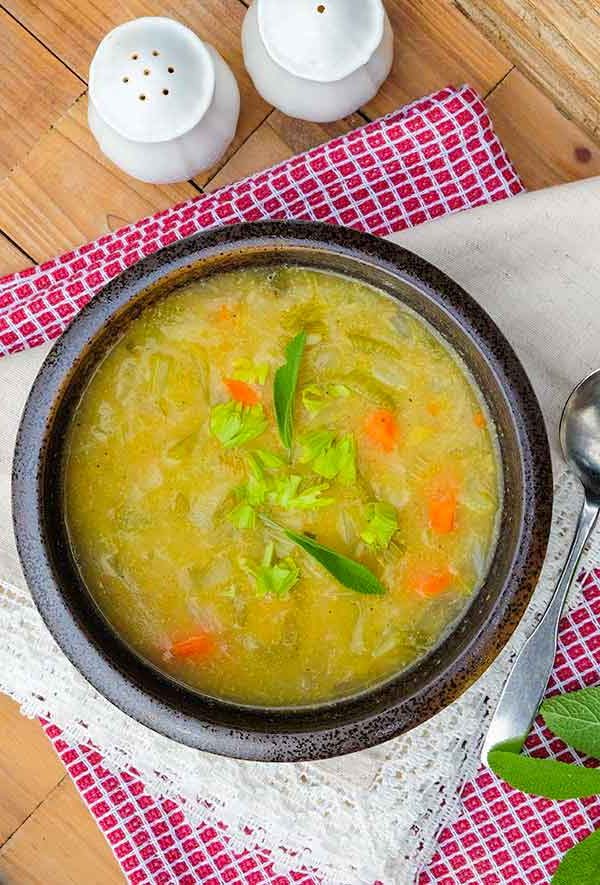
442,510
241,392
431,583
382,429
479,419
202,645
433,408
224,313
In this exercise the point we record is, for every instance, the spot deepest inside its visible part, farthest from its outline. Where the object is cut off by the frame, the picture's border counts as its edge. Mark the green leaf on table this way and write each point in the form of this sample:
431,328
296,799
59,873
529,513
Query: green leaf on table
381,525
348,572
542,777
581,864
233,423
575,717
284,388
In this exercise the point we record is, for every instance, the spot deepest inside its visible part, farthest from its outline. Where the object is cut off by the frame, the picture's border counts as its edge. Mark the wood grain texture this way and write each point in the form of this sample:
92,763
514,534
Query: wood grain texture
59,844
29,768
66,192
555,43
434,45
547,148
35,90
11,259
73,30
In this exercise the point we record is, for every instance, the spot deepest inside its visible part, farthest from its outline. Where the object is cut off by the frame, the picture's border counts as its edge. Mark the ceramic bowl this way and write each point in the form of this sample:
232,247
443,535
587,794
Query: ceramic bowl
377,714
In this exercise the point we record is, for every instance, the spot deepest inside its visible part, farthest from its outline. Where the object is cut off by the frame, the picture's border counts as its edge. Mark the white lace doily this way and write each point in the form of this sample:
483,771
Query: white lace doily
371,815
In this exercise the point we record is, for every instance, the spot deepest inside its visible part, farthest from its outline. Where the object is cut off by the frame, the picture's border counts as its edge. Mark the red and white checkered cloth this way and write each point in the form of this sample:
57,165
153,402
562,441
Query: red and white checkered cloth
436,156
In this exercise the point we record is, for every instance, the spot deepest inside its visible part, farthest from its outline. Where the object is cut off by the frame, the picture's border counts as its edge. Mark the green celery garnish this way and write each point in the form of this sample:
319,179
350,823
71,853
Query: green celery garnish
381,525
268,459
243,516
315,396
277,579
330,457
285,494
234,424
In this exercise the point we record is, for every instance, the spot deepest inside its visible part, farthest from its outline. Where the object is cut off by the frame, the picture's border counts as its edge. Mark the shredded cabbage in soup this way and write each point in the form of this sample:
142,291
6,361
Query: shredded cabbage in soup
281,487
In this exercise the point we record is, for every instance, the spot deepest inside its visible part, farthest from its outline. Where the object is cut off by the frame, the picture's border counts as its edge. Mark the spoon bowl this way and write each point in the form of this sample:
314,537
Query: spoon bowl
580,433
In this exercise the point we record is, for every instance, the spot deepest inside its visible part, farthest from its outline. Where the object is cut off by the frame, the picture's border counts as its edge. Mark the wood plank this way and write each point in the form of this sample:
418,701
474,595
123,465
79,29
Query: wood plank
73,30
66,192
556,43
35,90
553,151
29,767
434,45
277,139
11,258
59,844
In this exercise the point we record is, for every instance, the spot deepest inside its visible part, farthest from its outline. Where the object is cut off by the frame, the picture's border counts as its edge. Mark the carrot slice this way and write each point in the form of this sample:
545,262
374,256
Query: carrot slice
224,313
241,392
433,408
202,645
442,510
382,429
479,419
431,583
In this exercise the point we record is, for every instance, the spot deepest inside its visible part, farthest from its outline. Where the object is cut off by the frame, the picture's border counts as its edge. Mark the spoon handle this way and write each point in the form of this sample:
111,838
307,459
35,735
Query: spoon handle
524,689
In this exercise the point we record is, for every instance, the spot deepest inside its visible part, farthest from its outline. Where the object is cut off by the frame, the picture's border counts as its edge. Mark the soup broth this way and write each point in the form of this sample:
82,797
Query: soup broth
289,541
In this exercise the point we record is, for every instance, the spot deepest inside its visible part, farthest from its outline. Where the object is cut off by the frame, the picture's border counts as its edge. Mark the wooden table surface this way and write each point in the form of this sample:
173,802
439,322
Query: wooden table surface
533,61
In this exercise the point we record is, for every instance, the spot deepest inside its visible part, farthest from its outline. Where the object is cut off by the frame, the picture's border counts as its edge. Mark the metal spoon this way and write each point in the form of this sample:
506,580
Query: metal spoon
526,683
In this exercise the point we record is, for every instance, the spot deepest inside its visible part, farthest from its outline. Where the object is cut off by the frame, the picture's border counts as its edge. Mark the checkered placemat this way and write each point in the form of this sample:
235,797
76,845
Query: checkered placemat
435,156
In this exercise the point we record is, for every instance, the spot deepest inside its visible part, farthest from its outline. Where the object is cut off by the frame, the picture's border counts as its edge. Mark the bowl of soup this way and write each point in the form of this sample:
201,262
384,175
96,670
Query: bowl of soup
282,491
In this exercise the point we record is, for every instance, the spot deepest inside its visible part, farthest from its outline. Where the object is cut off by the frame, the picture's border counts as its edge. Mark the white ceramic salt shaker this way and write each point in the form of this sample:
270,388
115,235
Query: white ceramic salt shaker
163,105
319,60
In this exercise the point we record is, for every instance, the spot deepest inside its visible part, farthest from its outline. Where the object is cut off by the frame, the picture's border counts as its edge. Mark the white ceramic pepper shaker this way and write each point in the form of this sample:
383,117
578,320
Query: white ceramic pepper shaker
163,105
319,60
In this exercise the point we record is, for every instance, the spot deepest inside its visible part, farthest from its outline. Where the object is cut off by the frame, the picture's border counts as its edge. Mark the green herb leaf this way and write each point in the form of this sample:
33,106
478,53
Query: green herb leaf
575,717
243,516
284,388
234,424
381,525
330,458
314,444
285,494
268,459
277,579
316,396
347,571
542,777
581,864
252,373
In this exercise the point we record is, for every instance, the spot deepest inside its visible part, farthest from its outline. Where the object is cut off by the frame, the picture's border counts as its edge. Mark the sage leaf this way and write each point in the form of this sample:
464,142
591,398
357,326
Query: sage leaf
348,572
542,777
575,717
284,388
581,864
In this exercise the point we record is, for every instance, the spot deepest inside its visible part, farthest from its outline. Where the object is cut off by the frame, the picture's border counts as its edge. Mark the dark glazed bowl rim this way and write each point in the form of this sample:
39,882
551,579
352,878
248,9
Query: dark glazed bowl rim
332,729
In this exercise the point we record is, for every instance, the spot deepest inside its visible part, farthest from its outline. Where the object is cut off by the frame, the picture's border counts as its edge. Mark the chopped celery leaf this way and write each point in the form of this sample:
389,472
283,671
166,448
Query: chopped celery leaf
381,525
234,424
330,457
